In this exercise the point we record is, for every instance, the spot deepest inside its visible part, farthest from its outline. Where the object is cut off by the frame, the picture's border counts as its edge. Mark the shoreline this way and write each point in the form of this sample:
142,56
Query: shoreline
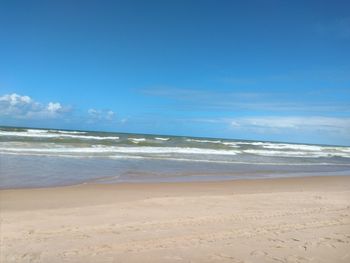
209,180
295,219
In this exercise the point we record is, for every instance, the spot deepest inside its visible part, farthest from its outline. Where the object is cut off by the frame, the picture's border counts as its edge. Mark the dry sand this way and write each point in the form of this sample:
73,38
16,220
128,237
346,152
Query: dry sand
272,220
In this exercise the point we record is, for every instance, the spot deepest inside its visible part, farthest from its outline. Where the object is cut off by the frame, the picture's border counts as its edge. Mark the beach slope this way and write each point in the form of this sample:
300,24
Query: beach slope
270,220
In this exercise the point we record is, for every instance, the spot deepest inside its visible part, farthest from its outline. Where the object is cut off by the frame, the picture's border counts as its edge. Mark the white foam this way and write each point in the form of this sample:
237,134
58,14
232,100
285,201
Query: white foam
126,157
162,139
137,140
37,131
122,149
293,147
30,133
250,143
231,144
315,154
288,146
202,141
341,149
69,132
41,131
93,137
46,134
222,161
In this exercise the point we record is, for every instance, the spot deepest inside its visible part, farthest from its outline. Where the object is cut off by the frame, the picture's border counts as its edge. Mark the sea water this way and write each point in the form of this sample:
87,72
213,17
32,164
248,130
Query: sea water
46,157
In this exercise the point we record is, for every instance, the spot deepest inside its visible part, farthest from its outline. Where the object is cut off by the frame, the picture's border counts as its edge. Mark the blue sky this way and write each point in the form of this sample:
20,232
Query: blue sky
260,70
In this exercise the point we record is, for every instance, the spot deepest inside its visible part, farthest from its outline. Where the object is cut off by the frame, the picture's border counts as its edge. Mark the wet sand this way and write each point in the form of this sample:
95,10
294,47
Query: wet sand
270,220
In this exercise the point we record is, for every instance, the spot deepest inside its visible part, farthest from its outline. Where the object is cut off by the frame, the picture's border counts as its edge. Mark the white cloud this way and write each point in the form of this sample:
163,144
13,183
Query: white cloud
93,112
54,107
15,99
278,124
219,100
100,115
17,109
124,120
110,115
23,107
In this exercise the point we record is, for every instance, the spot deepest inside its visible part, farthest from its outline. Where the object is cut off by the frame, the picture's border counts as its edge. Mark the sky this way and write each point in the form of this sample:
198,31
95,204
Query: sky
261,70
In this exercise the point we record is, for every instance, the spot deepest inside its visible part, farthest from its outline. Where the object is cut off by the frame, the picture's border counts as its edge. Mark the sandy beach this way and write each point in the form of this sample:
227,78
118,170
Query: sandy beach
270,220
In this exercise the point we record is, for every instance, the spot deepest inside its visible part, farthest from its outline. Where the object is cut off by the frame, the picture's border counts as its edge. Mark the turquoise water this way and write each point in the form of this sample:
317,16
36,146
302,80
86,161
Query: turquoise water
41,157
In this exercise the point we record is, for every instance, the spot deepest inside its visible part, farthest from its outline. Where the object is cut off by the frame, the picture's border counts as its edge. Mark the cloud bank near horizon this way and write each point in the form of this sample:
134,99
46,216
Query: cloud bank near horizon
24,108
296,128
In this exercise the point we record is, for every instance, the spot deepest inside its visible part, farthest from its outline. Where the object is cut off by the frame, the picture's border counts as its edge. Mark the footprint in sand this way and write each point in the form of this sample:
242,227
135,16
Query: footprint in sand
31,257
174,258
297,259
220,256
67,254
258,253
275,240
31,232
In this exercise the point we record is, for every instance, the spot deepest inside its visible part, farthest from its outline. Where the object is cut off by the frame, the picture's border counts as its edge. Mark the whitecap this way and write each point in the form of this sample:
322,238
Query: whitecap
43,134
162,139
202,141
121,149
68,132
137,140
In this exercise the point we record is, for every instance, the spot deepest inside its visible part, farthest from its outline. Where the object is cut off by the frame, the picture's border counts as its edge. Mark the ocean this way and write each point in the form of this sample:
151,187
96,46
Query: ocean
47,157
